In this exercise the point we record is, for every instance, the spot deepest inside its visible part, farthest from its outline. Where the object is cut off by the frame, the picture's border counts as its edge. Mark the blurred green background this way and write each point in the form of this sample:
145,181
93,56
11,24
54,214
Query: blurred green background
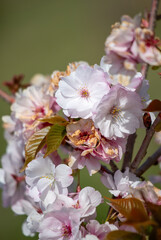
39,36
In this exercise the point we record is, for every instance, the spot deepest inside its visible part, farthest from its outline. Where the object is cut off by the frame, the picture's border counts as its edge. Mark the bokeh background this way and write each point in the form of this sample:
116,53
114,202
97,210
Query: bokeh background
39,36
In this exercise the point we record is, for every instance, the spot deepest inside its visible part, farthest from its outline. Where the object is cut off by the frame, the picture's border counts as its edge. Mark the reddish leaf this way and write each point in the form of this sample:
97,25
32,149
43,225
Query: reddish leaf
156,211
154,106
131,208
123,235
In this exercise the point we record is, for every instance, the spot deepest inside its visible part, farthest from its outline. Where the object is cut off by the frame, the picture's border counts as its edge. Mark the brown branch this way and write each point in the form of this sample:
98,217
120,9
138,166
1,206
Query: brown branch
152,160
129,151
105,169
6,97
143,148
113,166
153,14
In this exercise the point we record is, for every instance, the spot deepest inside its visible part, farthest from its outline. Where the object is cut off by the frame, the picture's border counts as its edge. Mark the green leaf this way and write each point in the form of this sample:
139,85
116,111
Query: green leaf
154,106
123,235
131,208
54,138
34,145
55,120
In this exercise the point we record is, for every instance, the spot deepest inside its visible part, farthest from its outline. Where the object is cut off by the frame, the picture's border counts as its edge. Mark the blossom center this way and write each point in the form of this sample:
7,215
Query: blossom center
84,93
66,230
115,112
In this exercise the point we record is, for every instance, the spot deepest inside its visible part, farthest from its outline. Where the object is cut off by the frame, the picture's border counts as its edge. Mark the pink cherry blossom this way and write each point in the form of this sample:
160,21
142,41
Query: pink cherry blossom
79,92
43,174
60,225
119,113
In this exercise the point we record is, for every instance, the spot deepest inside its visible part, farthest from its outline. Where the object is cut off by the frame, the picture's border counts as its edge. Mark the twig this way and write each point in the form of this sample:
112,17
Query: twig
105,169
113,166
143,149
153,14
152,160
6,97
129,151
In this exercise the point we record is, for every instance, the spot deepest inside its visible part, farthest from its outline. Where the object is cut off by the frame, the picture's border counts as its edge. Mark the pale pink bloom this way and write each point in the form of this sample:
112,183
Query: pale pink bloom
30,105
147,191
122,36
90,237
43,174
108,150
40,80
11,181
121,71
86,202
60,225
99,230
145,47
119,113
121,183
81,91
83,135
76,161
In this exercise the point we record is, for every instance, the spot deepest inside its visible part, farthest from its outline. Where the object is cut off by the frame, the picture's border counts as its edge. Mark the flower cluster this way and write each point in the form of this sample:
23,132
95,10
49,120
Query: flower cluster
89,112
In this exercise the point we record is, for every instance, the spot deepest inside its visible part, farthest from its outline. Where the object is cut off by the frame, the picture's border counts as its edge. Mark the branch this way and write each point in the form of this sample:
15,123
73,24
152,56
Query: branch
143,149
129,151
105,169
152,160
113,166
153,14
6,97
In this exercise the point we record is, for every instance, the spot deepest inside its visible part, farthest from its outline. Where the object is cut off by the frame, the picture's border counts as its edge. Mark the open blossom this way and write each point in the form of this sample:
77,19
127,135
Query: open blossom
121,71
122,36
60,225
121,183
86,202
81,91
119,113
77,161
11,180
30,105
99,230
43,174
145,47
83,135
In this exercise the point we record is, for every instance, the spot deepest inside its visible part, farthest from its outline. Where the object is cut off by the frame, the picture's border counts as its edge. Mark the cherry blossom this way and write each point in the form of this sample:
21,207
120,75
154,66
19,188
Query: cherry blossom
77,94
119,113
